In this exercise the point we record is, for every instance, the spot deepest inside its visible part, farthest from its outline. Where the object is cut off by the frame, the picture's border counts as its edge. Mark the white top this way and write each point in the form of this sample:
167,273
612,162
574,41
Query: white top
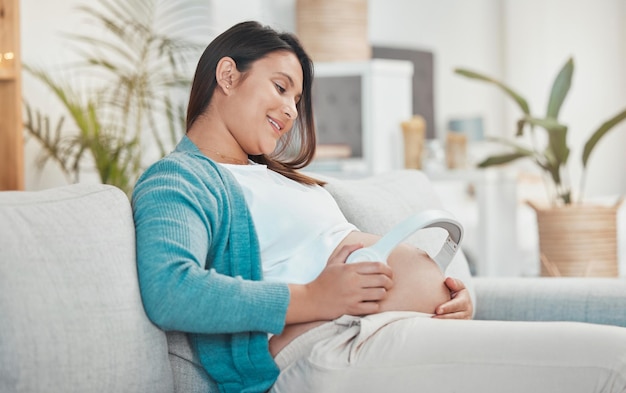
298,225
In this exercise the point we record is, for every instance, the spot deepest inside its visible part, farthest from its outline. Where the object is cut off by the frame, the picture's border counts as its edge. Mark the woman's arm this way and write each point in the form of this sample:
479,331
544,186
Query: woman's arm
180,226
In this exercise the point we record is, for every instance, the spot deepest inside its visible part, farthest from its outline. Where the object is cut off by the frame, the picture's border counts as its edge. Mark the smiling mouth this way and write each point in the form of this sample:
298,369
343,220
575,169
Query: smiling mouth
274,124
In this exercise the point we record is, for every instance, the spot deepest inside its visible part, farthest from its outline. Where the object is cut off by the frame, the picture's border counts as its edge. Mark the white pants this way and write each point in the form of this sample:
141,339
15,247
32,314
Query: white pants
397,352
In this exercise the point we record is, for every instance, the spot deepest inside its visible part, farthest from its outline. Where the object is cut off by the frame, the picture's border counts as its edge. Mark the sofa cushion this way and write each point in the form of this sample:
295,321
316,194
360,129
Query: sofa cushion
377,203
189,374
71,317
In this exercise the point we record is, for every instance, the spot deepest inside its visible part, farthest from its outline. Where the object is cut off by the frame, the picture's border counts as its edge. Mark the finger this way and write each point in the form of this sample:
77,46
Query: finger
365,308
457,304
454,284
454,315
374,294
376,281
374,268
344,252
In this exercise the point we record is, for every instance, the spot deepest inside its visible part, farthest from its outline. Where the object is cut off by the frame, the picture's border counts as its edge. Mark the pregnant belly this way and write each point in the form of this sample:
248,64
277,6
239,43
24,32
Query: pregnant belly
418,286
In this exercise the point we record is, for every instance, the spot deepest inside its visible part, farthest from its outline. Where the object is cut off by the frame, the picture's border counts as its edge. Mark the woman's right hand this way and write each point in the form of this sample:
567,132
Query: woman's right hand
354,289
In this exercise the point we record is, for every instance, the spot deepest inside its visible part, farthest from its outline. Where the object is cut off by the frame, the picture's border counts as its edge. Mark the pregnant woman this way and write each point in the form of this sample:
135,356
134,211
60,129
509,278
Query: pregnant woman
247,255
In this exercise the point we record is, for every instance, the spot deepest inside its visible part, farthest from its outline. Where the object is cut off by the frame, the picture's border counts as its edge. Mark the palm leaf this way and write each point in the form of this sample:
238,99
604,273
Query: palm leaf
52,145
102,44
70,99
135,67
176,20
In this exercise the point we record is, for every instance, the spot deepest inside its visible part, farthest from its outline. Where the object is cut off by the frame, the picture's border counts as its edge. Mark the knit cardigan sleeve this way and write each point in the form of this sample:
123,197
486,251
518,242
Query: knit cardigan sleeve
197,255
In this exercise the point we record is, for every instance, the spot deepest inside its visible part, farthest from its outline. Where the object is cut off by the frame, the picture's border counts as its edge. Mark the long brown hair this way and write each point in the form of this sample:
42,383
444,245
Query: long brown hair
245,43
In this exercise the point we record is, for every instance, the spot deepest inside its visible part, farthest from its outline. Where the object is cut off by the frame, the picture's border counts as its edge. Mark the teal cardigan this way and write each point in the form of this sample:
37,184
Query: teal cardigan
199,268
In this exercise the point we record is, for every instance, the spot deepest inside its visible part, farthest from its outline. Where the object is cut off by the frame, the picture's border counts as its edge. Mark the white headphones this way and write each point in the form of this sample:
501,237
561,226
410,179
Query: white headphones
425,219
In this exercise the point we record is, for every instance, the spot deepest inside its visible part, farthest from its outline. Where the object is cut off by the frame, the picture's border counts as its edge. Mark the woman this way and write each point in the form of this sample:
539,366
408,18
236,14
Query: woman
234,244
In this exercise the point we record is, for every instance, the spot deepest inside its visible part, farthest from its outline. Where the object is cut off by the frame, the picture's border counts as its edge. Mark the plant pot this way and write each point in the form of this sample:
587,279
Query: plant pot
578,240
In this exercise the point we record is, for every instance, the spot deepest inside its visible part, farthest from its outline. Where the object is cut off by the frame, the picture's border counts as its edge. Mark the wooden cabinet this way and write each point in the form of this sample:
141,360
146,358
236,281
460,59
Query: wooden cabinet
11,132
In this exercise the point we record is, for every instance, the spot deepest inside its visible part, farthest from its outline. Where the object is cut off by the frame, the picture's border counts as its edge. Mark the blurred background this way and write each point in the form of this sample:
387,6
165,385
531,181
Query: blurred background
524,43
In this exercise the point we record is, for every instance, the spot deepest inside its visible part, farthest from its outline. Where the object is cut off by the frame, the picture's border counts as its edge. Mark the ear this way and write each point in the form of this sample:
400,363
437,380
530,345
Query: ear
226,73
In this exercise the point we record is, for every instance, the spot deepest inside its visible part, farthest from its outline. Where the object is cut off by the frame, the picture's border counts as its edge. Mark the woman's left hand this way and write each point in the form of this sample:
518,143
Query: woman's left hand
460,306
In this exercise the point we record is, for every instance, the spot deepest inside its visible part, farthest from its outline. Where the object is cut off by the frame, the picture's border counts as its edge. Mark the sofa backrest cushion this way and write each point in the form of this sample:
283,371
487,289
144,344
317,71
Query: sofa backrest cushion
375,204
71,317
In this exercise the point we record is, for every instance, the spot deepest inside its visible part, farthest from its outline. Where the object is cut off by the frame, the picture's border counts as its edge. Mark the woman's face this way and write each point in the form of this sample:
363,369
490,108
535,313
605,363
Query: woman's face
262,103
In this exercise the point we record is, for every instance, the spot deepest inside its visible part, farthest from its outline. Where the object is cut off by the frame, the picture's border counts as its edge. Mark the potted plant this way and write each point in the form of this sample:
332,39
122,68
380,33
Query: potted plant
126,97
575,238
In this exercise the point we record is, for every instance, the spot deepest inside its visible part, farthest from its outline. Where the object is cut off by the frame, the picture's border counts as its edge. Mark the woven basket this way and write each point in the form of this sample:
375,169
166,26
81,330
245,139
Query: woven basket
333,30
578,240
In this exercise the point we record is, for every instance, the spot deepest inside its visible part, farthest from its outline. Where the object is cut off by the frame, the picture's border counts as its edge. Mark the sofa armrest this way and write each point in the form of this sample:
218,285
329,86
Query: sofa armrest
595,300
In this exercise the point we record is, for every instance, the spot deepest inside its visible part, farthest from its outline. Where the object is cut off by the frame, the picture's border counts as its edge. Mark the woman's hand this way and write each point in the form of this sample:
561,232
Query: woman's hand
341,288
354,289
460,306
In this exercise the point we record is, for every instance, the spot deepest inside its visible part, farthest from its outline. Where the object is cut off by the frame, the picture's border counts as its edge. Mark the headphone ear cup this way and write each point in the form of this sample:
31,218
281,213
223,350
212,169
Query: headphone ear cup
365,255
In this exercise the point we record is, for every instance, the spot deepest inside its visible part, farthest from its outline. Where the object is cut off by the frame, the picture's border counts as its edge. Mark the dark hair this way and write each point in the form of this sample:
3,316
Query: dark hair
245,43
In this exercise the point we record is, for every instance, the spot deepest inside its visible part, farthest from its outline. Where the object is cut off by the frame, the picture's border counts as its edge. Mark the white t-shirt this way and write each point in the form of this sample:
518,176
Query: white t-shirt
298,225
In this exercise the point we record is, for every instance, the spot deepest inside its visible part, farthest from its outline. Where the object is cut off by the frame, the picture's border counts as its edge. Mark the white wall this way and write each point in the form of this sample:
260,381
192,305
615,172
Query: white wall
539,41
460,33
279,14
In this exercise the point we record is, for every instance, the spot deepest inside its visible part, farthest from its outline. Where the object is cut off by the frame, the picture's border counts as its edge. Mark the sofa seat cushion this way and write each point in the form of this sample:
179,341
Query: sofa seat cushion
71,317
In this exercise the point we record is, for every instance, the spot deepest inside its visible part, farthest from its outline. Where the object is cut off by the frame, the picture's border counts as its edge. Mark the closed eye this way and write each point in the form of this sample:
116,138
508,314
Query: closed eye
280,89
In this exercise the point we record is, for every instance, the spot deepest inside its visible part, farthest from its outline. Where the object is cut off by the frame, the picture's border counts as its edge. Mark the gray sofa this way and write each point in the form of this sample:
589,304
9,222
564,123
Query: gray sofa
71,317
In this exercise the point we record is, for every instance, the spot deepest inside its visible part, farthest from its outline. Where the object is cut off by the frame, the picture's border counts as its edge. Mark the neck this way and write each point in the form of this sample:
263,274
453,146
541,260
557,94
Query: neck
223,158
215,144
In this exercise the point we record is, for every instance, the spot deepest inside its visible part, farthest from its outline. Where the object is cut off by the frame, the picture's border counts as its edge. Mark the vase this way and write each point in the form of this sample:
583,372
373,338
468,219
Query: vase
413,134
578,240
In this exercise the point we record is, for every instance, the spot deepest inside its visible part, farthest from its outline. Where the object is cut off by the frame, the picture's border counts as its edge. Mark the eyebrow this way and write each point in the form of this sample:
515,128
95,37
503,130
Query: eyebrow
287,76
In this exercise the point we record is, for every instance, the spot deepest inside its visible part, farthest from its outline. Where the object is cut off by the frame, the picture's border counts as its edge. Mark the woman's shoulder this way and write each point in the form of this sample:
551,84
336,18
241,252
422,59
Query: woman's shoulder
185,167
183,173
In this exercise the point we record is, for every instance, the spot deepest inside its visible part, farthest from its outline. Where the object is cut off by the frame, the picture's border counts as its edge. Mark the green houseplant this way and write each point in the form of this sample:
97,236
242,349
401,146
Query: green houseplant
125,96
574,238
552,158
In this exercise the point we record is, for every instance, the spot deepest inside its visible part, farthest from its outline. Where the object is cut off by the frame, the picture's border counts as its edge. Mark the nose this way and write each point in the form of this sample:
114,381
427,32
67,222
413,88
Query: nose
290,110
